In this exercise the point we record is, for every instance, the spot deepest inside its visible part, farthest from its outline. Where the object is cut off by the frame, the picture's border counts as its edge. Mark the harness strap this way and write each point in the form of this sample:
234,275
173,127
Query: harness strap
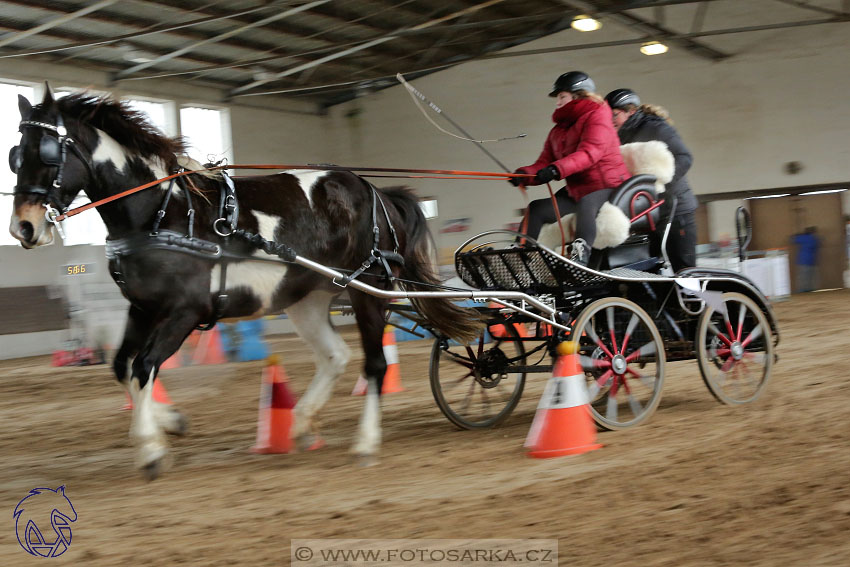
228,208
385,256
160,214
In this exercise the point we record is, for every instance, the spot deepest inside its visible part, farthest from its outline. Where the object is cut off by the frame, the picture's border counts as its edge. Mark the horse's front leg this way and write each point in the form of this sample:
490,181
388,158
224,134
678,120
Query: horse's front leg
331,354
150,419
138,329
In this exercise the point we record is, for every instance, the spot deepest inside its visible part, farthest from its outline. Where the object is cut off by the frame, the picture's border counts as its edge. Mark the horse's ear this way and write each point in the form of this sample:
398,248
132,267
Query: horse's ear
24,106
48,95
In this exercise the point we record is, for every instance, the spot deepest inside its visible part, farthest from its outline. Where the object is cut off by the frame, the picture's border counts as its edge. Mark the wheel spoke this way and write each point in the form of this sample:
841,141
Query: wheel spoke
609,314
590,364
742,313
637,408
602,380
629,330
611,409
643,379
592,334
730,362
755,357
728,323
756,333
713,328
461,379
645,350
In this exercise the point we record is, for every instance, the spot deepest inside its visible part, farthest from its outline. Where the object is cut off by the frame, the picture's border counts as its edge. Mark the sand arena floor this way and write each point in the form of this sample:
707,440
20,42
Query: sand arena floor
700,484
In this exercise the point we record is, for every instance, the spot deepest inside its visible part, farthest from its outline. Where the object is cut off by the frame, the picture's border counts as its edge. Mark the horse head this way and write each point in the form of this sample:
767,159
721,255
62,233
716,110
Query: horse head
52,166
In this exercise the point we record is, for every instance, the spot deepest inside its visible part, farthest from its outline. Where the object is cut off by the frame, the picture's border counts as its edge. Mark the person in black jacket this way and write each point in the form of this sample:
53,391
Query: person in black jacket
643,123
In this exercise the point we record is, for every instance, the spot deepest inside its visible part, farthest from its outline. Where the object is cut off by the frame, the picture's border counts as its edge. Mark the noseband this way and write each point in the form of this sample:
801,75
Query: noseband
53,153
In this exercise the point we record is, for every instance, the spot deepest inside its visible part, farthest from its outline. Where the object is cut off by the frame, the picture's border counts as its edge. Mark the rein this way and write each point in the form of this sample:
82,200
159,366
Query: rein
409,173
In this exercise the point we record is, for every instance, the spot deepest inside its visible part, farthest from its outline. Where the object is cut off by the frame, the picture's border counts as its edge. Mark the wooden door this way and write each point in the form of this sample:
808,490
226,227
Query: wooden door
776,220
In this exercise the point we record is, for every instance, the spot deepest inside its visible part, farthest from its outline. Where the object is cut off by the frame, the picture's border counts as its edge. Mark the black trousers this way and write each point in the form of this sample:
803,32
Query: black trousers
541,211
682,242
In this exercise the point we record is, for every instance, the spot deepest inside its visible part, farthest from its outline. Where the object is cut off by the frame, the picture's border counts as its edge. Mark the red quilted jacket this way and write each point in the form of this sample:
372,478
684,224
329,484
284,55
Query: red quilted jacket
584,147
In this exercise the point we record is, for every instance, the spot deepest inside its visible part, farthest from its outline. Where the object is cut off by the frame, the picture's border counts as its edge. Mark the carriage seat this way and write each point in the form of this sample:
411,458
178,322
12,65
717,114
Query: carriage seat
637,199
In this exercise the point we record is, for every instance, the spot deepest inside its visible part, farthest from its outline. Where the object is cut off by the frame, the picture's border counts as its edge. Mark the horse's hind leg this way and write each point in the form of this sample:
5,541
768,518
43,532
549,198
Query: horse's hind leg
312,322
369,311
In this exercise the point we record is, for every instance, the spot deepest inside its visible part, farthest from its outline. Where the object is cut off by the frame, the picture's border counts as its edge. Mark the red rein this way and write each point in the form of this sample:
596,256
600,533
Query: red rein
409,174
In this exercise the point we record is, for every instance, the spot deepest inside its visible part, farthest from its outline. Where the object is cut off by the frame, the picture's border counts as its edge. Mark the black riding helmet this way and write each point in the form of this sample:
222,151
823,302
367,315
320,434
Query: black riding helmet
618,98
572,82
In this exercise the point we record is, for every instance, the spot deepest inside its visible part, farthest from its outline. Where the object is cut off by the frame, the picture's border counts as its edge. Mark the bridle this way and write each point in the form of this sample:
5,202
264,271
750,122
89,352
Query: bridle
53,152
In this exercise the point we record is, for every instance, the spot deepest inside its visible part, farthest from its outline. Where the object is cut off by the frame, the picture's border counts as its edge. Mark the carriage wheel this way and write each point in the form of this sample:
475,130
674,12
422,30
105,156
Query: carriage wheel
471,383
735,350
623,358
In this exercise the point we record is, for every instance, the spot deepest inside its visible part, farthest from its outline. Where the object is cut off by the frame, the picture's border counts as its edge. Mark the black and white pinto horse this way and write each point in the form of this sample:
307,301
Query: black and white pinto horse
101,147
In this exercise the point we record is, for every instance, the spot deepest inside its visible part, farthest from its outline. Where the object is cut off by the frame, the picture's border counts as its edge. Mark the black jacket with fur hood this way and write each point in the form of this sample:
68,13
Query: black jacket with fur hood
643,127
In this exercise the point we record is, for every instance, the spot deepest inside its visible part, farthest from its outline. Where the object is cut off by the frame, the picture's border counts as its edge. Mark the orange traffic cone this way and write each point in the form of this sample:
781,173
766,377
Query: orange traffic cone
159,395
392,377
209,349
276,403
174,361
562,424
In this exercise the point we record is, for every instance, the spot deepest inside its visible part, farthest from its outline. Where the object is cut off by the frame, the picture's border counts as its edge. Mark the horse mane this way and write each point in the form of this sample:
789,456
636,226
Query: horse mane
128,127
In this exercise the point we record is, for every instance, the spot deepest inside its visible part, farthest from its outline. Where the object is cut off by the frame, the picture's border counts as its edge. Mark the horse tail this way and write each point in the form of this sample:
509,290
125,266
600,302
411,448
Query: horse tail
461,324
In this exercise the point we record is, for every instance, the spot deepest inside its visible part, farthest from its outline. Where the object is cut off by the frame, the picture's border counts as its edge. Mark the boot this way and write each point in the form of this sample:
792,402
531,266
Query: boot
580,251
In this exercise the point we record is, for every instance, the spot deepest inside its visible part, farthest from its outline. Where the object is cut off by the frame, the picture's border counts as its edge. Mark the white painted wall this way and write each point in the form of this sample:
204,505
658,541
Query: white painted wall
780,98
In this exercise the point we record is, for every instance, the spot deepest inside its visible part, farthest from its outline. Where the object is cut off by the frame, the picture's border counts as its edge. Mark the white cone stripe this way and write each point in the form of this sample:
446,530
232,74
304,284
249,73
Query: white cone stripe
391,354
564,392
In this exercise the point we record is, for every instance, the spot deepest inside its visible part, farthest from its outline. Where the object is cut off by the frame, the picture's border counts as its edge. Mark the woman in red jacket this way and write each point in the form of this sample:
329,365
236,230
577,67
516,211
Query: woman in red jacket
582,149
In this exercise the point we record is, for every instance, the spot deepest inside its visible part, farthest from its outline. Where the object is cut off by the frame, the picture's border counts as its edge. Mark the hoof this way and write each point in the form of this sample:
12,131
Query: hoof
154,461
364,461
309,442
152,470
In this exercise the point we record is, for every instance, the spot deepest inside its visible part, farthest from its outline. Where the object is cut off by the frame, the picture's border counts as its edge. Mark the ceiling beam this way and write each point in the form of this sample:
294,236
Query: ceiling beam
220,37
362,46
142,28
55,22
807,6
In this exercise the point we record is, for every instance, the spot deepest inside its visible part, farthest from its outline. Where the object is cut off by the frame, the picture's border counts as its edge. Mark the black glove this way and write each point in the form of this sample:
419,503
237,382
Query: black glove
517,181
547,174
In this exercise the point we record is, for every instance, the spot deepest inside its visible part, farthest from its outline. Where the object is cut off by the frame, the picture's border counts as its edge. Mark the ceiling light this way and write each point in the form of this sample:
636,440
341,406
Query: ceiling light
653,48
585,23
138,56
825,191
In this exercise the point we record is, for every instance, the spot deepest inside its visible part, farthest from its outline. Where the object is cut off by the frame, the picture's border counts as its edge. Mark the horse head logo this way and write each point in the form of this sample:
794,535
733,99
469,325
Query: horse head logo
39,505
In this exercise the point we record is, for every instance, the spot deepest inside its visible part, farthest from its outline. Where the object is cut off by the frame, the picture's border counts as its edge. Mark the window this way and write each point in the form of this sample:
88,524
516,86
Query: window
207,131
157,112
9,136
429,207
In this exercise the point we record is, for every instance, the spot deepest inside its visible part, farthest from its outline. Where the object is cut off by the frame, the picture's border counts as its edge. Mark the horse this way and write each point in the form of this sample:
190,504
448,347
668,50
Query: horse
174,252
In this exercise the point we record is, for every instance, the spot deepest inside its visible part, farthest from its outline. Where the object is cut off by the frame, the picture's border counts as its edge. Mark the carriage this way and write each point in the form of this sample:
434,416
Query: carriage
627,313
